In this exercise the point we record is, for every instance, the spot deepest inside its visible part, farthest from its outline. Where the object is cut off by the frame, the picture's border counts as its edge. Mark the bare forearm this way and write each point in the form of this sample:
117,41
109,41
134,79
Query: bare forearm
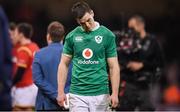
62,76
115,79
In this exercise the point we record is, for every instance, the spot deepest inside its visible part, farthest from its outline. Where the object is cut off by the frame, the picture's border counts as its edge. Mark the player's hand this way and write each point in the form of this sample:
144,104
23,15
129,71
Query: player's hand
134,66
114,100
61,98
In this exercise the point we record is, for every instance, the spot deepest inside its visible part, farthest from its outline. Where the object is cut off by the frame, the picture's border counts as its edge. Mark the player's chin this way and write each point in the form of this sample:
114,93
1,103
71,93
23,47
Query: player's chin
87,29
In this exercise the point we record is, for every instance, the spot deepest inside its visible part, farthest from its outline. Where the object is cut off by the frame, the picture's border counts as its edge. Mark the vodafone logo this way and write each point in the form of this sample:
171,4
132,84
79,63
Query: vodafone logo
87,53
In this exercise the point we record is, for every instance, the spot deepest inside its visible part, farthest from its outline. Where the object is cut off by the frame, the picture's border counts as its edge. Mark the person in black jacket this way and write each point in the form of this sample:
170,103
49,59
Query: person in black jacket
140,60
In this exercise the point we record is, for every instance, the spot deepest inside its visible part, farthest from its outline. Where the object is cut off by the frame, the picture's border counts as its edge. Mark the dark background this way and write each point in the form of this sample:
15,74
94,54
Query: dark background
162,17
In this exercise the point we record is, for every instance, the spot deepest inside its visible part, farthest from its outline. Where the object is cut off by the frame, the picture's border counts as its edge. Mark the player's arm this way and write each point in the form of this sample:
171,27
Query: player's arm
115,79
22,63
62,76
18,75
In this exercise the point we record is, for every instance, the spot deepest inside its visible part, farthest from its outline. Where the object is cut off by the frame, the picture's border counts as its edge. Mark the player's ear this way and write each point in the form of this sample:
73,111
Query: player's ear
92,13
21,34
78,21
48,38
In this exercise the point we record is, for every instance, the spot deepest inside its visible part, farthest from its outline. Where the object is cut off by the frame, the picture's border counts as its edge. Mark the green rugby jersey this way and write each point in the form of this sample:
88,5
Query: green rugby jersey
89,51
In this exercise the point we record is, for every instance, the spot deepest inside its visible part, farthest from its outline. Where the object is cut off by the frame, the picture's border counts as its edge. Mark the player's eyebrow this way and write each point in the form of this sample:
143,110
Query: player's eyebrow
86,21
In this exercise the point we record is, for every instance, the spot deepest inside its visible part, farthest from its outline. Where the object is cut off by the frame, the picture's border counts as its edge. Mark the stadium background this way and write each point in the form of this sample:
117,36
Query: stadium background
162,17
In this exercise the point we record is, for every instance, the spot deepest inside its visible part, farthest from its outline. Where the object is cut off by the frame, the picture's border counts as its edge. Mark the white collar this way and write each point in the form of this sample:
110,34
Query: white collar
95,28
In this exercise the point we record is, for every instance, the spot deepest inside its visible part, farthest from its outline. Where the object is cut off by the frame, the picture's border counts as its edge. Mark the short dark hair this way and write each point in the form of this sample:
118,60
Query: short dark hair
79,9
26,29
56,31
12,26
138,18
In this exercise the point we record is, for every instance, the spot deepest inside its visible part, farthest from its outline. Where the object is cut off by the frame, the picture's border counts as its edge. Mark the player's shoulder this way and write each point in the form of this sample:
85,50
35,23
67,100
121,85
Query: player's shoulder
24,49
104,27
74,31
32,46
106,30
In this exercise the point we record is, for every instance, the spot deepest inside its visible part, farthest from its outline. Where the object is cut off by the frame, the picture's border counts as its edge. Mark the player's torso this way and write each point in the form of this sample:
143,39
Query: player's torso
89,62
89,48
14,58
33,48
27,77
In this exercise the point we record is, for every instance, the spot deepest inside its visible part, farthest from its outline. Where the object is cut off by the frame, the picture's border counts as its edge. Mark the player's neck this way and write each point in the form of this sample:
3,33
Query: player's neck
95,26
25,41
143,34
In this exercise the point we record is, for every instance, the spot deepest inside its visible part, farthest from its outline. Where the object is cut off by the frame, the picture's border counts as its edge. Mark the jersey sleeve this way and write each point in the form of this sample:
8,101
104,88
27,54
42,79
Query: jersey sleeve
68,46
23,57
111,46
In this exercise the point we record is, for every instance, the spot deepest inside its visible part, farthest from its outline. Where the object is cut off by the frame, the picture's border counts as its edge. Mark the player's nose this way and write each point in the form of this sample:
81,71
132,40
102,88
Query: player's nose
87,24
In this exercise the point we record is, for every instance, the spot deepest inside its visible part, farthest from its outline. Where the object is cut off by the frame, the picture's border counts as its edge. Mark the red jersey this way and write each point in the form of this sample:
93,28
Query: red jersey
25,56
14,58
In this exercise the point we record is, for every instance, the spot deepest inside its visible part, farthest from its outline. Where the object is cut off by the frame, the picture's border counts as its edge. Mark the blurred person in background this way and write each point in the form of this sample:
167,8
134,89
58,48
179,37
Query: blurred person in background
45,67
15,43
12,27
141,59
91,47
5,64
24,91
170,88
